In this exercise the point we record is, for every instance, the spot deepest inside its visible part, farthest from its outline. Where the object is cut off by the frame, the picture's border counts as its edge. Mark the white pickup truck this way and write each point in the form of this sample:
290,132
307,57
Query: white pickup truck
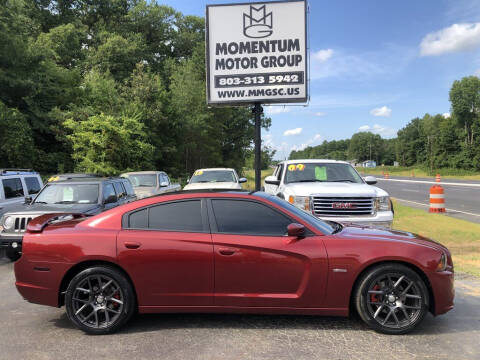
331,190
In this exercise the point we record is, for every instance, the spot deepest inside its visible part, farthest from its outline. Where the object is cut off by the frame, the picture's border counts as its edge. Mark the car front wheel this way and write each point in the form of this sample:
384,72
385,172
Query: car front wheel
99,300
392,298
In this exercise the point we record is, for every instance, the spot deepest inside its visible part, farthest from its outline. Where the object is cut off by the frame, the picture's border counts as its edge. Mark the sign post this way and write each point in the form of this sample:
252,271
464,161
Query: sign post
256,53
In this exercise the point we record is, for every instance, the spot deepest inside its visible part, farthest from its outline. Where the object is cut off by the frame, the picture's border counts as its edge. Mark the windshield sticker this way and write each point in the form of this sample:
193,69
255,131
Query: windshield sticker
300,167
292,167
198,172
321,173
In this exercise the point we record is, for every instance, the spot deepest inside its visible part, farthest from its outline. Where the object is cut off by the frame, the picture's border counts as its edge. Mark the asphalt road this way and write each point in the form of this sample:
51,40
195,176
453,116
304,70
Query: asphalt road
462,197
34,332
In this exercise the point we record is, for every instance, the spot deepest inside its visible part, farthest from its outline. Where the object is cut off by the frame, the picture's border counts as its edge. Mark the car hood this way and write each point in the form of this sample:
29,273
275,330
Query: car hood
212,185
145,191
358,231
335,188
54,208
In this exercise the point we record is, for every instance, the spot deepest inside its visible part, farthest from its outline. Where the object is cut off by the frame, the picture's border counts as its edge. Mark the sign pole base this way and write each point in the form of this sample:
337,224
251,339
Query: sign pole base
257,111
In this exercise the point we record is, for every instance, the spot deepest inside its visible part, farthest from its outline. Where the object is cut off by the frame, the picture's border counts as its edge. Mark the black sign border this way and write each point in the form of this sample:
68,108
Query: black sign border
266,100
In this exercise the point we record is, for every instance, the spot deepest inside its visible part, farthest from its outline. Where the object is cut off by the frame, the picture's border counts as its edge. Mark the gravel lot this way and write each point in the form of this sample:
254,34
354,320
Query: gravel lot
31,331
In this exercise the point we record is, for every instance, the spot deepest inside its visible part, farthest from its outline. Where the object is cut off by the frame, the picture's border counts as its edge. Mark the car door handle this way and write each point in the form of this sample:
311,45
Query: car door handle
131,245
226,251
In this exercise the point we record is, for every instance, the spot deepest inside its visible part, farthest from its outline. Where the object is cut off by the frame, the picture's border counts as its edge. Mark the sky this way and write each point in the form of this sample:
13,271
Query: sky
374,66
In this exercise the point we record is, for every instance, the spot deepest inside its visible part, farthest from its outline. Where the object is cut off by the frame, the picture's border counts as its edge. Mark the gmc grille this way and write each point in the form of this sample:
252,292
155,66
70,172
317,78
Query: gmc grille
343,206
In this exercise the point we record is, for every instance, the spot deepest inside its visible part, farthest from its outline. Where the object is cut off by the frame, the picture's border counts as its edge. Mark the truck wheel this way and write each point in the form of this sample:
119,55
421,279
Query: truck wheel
391,299
99,300
12,254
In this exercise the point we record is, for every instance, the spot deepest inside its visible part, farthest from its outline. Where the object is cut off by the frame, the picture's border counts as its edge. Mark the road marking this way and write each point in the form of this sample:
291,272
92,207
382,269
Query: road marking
428,205
431,182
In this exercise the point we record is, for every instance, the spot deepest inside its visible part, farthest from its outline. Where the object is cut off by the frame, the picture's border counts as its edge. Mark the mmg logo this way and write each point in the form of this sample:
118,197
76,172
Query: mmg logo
257,24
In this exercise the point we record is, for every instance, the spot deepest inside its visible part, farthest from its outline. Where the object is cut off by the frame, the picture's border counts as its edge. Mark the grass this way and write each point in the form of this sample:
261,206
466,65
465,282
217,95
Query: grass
421,172
461,237
250,175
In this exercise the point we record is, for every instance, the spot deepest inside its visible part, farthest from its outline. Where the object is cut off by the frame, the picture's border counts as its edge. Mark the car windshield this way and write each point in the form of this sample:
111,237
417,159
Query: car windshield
321,172
204,176
147,180
55,193
317,223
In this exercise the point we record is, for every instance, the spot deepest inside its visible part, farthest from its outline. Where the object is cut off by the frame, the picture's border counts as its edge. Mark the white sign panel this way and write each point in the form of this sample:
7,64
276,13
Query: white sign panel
257,52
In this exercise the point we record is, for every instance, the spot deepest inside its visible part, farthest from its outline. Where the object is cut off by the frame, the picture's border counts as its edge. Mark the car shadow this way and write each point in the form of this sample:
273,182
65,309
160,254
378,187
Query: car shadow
146,323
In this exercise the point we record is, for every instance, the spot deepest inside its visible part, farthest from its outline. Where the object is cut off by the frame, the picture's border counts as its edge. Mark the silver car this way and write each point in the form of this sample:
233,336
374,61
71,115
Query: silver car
148,183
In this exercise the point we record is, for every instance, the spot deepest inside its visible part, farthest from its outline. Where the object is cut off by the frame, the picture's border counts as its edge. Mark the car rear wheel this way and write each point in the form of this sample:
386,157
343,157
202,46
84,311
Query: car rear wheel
99,300
392,299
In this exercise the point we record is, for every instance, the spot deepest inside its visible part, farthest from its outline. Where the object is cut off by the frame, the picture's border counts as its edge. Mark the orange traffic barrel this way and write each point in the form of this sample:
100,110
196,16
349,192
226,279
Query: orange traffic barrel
387,175
437,178
437,199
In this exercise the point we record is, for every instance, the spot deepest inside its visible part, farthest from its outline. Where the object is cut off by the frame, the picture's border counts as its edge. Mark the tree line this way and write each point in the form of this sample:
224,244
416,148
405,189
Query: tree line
107,86
432,141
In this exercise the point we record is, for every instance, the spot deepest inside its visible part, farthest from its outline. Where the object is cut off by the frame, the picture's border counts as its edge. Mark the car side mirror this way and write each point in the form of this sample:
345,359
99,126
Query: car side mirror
272,180
110,200
370,180
28,200
163,184
242,180
296,230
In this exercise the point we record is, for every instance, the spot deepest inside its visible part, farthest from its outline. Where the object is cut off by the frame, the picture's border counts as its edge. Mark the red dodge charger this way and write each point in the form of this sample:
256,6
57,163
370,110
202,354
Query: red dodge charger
229,252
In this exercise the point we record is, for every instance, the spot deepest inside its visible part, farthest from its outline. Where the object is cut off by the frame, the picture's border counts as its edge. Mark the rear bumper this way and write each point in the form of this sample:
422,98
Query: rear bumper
38,281
383,219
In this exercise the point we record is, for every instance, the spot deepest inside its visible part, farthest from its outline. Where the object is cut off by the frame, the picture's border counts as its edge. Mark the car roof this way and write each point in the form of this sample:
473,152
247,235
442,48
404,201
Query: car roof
150,172
85,180
310,161
211,169
9,172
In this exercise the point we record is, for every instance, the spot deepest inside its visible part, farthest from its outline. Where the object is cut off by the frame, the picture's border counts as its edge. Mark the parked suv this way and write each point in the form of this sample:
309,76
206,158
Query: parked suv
87,196
331,190
148,183
15,185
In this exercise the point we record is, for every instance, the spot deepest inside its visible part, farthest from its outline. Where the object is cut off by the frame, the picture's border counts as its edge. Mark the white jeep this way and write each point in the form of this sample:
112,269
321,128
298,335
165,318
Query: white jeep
331,190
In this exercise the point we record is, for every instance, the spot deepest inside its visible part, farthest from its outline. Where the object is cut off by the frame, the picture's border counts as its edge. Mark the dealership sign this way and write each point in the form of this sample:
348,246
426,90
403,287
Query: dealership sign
257,52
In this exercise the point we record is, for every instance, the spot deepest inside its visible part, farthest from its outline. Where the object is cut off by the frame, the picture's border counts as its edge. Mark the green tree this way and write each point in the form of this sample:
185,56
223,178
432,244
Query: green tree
465,99
104,144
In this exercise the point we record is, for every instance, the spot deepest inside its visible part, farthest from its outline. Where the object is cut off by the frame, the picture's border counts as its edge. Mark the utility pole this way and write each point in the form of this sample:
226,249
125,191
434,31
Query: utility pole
257,111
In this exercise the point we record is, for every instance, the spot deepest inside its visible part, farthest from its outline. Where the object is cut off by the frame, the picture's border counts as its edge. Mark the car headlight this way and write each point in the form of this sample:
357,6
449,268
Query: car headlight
302,202
8,223
383,203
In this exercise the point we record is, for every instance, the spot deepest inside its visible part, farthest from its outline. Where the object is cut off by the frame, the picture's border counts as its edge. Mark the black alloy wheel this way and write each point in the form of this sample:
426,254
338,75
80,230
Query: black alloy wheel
99,300
392,298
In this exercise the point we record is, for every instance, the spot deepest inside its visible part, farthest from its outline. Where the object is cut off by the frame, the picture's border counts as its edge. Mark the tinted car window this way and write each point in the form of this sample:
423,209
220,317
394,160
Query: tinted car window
33,185
12,187
138,219
177,216
108,191
119,189
249,218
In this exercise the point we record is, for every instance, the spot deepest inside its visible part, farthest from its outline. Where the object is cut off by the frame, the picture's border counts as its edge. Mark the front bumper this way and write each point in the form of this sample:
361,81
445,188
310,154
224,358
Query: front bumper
382,219
442,284
13,241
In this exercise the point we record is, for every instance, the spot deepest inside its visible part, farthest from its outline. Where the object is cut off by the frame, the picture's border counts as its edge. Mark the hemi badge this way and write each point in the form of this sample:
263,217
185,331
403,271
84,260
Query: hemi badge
339,270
